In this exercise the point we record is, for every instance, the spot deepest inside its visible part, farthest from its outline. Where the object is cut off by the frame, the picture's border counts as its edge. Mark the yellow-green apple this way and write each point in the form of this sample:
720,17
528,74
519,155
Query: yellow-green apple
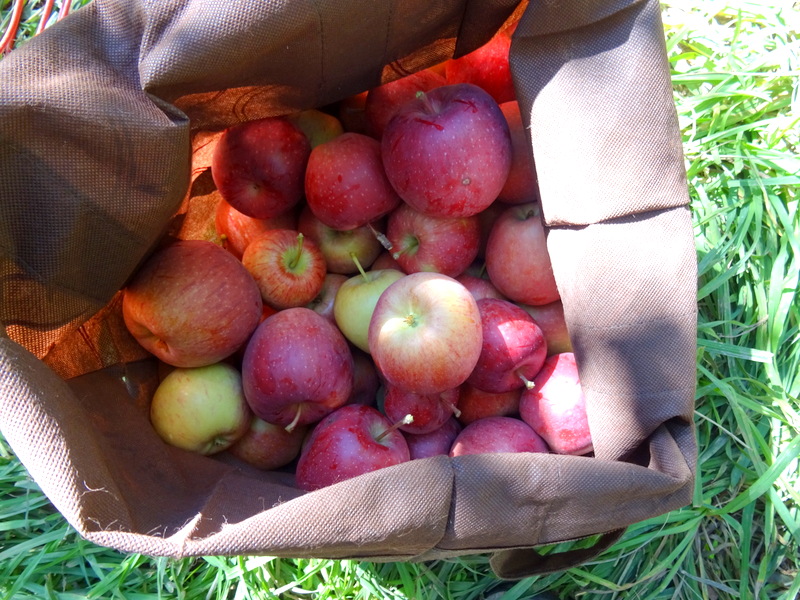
550,317
191,304
338,246
513,350
323,301
384,100
497,434
474,404
297,368
318,126
521,186
202,409
421,242
258,166
556,408
425,333
517,260
268,446
352,441
355,301
428,411
237,230
289,269
345,184
437,442
487,67
448,152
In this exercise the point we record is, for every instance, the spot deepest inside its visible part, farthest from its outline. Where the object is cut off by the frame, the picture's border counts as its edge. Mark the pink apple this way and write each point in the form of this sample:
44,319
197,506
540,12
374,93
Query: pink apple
384,101
289,269
513,347
237,230
436,443
421,242
550,317
497,434
268,446
487,67
429,411
474,404
352,441
191,304
556,408
323,301
517,260
522,186
448,152
202,409
338,247
345,184
297,368
259,166
425,333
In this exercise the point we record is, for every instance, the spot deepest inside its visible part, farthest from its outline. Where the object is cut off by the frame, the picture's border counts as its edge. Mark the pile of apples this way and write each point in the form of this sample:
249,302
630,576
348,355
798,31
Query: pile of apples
383,292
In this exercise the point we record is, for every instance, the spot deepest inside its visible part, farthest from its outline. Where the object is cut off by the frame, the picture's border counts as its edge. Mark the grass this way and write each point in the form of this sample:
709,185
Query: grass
736,66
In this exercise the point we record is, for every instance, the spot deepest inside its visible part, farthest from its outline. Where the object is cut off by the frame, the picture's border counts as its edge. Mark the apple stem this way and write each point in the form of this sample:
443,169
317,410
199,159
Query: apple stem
358,265
384,241
456,412
407,420
423,97
298,251
290,427
528,383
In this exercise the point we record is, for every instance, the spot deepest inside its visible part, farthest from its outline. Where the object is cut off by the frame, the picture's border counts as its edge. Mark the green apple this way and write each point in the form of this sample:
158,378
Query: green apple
202,409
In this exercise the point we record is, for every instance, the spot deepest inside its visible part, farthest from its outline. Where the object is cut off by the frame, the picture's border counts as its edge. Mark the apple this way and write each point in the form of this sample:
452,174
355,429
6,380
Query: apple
351,441
513,348
479,288
297,368
259,166
352,114
421,242
487,218
474,403
318,126
497,434
268,446
385,260
323,301
191,304
289,269
487,67
237,229
355,302
523,277
339,246
202,409
345,184
425,333
365,379
448,152
521,186
436,443
550,317
383,101
429,411
556,408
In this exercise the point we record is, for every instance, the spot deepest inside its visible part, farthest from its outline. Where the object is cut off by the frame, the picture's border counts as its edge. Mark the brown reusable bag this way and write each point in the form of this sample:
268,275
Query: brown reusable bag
97,116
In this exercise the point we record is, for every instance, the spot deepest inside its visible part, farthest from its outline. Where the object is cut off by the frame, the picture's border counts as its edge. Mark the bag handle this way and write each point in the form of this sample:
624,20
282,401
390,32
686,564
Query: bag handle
525,562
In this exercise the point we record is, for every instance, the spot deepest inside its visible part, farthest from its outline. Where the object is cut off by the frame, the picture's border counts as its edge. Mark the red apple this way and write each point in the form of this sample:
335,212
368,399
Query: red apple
522,185
339,246
497,434
479,288
425,333
513,347
289,269
268,446
365,379
351,113
448,152
297,368
436,443
550,317
385,260
353,440
474,404
237,229
522,276
421,242
429,411
345,184
201,409
323,302
556,408
383,102
191,304
259,166
487,67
